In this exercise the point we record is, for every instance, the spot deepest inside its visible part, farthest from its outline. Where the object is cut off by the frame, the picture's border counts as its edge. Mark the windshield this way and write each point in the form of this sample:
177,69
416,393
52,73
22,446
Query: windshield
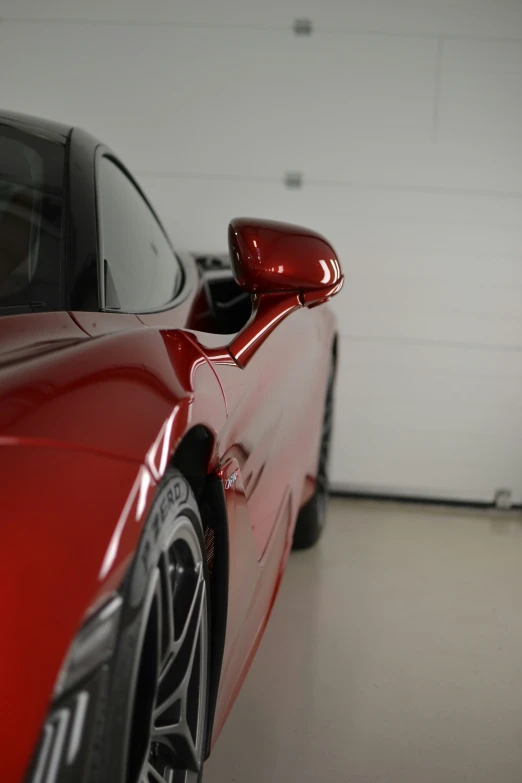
31,207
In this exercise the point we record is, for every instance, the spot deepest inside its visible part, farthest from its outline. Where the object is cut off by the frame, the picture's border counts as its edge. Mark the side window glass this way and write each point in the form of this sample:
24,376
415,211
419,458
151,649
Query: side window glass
31,231
140,269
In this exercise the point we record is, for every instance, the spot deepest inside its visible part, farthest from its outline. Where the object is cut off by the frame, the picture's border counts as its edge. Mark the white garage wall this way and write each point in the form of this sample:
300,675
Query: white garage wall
405,118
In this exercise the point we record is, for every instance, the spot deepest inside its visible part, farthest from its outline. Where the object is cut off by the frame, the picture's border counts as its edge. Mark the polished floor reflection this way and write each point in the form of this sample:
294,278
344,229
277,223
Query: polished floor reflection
393,655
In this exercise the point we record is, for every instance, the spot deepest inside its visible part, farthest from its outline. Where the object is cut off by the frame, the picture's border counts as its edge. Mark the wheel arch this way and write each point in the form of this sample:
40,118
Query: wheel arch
192,457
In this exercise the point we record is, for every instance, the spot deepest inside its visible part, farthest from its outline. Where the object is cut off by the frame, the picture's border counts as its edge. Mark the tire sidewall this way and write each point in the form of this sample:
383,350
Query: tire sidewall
174,500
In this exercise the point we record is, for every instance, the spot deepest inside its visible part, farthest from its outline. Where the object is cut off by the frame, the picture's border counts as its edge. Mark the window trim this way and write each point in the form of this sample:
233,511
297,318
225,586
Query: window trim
80,232
183,290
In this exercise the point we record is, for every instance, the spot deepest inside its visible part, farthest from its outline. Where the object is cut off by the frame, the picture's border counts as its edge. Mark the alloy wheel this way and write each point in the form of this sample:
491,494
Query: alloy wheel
168,727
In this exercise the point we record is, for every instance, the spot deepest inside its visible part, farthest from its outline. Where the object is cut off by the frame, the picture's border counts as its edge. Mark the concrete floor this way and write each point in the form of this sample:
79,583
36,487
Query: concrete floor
393,655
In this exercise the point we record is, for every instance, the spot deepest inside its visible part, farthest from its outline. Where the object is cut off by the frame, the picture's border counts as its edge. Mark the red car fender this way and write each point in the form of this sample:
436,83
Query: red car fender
91,429
55,539
112,394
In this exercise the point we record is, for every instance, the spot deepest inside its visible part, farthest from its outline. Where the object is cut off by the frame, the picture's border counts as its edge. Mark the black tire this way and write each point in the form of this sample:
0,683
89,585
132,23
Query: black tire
162,650
312,517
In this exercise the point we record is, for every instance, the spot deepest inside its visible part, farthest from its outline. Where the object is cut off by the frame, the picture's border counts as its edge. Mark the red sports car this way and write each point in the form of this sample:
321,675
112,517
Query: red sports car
164,429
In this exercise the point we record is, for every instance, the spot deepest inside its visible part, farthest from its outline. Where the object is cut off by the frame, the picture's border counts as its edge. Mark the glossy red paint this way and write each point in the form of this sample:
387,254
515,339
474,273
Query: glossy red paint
92,409
264,429
81,468
268,311
23,338
57,520
314,298
268,256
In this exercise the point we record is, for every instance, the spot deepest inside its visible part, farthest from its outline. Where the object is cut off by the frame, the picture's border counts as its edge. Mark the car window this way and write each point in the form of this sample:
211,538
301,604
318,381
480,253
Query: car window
30,220
140,269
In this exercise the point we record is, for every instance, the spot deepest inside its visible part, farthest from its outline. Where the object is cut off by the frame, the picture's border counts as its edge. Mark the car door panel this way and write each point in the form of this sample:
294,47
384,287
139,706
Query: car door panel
253,607
264,401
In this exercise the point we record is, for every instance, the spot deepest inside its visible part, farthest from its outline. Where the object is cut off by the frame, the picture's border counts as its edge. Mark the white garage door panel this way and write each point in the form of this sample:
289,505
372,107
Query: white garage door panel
440,422
454,17
418,209
404,118
481,90
237,111
379,317
413,458
380,464
476,395
238,117
474,363
449,297
435,417
397,160
482,268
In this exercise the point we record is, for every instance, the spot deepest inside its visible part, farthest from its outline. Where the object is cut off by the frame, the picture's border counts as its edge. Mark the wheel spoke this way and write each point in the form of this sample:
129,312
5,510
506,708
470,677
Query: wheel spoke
180,737
196,613
175,680
186,649
197,598
153,774
167,638
176,645
158,596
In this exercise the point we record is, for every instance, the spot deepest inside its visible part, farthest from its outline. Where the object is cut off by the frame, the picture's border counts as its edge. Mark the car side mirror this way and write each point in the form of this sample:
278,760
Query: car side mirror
270,257
284,267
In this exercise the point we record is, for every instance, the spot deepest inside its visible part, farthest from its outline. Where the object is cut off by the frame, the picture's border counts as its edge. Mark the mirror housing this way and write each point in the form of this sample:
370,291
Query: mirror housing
269,257
285,268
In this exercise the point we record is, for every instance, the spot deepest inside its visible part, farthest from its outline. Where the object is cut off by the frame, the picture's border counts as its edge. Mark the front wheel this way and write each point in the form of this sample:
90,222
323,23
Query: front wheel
312,517
159,694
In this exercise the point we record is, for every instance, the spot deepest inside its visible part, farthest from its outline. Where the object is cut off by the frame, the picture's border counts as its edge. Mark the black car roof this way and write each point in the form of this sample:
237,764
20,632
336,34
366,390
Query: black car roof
54,131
